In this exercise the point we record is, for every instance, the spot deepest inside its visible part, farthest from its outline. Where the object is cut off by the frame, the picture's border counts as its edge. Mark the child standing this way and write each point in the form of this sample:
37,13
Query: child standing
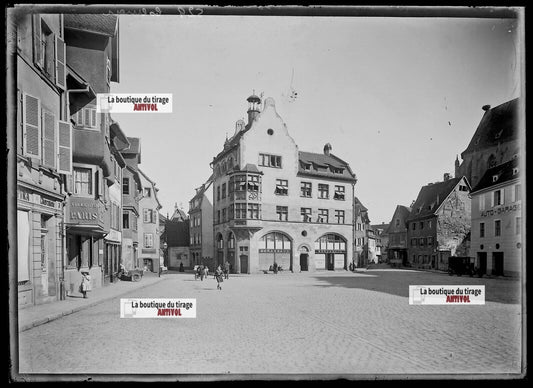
218,275
85,283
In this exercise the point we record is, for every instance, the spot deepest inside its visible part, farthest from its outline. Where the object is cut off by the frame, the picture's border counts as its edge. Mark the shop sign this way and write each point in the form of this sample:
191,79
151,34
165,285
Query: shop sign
274,251
329,251
85,211
501,210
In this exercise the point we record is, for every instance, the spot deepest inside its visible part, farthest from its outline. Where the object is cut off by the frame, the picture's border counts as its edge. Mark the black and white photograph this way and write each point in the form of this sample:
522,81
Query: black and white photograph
229,193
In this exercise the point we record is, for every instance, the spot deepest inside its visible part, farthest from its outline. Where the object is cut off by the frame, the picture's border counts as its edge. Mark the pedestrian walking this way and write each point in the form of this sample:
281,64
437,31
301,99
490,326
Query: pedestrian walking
226,270
181,267
202,272
206,271
85,285
218,276
275,267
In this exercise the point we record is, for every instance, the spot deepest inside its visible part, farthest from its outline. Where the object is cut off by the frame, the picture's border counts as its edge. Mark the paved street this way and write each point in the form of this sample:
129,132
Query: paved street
335,323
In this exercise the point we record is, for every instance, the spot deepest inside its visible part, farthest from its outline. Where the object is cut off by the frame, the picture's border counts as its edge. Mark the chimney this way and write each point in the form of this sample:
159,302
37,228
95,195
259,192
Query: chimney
485,107
446,176
327,149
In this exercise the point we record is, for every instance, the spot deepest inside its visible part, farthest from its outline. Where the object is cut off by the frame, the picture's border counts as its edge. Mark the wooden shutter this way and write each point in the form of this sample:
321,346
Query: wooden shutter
93,118
60,62
64,151
37,53
31,126
49,150
86,117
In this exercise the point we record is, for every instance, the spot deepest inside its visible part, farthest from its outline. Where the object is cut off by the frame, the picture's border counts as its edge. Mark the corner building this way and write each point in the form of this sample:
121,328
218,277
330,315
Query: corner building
276,204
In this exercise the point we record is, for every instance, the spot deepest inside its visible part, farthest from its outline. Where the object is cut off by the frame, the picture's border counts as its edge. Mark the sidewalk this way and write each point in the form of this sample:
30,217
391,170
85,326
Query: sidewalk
38,315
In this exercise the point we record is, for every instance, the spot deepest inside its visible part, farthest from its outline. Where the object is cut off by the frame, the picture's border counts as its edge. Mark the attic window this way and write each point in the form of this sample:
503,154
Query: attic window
463,188
306,166
495,178
336,170
270,131
515,170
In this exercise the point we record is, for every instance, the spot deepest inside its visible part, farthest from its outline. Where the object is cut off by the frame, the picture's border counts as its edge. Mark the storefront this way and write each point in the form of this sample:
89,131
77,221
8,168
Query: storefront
275,247
87,223
39,244
330,252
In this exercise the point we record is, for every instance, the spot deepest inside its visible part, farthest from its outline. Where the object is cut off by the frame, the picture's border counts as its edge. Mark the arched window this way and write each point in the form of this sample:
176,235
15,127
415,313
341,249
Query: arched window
231,241
330,242
220,241
275,240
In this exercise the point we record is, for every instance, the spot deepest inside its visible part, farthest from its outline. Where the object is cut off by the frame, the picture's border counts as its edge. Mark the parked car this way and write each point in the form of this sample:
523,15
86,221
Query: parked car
459,265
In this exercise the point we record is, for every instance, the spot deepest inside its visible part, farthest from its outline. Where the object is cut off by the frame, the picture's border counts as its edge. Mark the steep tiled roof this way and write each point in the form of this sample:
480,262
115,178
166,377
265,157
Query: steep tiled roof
100,23
503,172
322,165
401,212
357,202
498,125
430,197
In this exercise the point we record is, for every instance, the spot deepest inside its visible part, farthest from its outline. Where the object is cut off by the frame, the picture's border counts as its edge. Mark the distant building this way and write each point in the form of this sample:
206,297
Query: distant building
382,240
201,225
131,195
276,204
439,223
361,225
495,141
497,220
397,231
148,227
177,238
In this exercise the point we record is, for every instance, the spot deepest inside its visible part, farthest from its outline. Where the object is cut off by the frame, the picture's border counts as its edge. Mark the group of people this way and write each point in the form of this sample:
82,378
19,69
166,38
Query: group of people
221,273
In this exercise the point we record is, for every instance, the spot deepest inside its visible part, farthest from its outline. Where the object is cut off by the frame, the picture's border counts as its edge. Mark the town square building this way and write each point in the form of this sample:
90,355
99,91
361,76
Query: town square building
497,221
274,204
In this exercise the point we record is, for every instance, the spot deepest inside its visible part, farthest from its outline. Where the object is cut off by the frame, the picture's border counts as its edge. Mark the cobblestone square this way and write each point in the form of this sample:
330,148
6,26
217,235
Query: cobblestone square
305,324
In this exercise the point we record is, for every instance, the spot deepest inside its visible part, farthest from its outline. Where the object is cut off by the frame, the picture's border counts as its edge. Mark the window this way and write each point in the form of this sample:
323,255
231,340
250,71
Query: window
134,223
223,215
497,198
336,170
517,193
253,211
148,240
218,216
240,210
430,241
421,225
282,187
518,224
339,215
413,226
267,160
83,181
218,193
108,71
253,183
147,192
306,214
497,228
148,216
339,193
422,241
282,212
305,166
414,242
481,202
323,191
305,189
223,190
429,224
463,188
48,52
481,229
397,222
125,186
323,215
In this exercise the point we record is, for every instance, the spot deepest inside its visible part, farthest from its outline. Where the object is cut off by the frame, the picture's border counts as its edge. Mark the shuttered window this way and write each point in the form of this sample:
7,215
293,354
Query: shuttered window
48,139
64,147
31,125
60,63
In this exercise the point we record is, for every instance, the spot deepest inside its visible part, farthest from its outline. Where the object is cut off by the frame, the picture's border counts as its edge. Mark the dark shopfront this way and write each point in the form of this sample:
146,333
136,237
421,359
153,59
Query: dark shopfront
86,228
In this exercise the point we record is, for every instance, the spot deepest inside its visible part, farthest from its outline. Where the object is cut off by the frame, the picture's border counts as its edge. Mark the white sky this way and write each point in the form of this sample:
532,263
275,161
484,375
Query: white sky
397,98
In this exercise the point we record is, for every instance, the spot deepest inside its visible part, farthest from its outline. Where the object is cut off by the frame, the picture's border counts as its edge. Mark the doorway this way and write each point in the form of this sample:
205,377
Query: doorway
482,262
330,261
497,263
244,263
304,262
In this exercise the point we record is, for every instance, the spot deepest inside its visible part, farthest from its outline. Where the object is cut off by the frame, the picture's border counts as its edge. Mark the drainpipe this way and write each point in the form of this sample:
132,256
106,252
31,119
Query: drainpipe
353,225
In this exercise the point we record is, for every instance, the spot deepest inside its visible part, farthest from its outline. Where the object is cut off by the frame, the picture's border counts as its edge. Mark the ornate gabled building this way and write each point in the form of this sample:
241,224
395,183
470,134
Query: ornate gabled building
439,223
397,231
276,204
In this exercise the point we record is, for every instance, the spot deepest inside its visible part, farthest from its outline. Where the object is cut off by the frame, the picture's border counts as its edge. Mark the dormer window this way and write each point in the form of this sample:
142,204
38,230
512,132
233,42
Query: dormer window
515,170
336,170
305,166
495,178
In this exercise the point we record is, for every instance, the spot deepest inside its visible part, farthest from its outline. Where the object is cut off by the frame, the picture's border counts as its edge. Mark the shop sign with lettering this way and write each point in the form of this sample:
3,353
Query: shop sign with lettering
85,211
501,210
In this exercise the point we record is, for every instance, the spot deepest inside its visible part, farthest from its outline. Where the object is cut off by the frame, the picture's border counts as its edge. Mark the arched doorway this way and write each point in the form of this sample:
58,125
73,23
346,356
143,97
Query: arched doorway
275,247
330,252
304,258
220,250
231,251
